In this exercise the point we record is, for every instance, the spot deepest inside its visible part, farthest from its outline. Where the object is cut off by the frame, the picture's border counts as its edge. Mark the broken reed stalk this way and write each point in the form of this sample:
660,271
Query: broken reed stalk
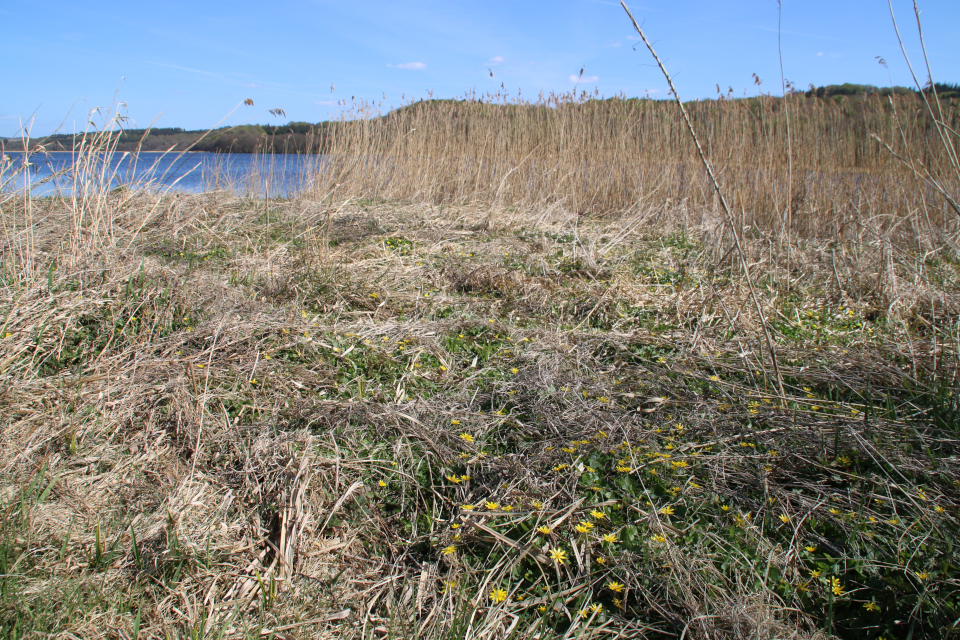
937,116
723,203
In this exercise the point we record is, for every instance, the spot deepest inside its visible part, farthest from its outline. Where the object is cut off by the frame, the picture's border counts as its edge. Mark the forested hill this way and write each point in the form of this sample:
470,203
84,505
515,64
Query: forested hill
303,137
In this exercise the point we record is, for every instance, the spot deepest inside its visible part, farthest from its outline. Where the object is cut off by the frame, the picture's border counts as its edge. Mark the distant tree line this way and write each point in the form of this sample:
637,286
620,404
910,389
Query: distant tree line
943,90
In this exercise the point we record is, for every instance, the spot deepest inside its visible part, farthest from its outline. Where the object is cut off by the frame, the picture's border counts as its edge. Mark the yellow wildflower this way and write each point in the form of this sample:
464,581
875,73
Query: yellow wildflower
616,587
558,555
836,587
498,595
449,550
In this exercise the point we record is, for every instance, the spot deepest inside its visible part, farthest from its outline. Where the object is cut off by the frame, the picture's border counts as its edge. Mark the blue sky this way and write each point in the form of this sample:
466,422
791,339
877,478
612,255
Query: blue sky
189,63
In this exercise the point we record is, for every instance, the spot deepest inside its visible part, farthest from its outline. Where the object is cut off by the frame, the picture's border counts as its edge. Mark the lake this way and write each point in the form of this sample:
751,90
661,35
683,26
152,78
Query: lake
275,175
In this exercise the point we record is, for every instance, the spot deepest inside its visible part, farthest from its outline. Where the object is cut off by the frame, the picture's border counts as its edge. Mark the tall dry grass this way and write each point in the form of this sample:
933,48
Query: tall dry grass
600,156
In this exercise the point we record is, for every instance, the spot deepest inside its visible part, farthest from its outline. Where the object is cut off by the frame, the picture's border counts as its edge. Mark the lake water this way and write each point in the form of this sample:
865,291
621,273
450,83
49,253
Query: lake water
55,172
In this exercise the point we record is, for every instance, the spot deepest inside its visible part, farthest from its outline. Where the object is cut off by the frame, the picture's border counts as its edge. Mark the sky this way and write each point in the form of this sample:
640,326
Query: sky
190,64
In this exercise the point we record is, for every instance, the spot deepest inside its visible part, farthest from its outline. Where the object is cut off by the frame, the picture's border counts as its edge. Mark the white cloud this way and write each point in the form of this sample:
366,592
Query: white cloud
820,54
408,65
583,79
324,103
495,60
252,85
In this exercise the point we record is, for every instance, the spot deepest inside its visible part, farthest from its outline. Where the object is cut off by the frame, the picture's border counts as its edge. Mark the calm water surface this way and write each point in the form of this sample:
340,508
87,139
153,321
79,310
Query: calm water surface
276,175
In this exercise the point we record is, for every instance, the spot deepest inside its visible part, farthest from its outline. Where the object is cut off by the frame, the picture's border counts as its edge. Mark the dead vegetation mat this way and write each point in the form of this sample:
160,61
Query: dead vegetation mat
248,418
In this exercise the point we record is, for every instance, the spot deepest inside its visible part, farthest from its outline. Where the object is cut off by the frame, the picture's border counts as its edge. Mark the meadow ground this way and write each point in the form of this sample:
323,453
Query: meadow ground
229,417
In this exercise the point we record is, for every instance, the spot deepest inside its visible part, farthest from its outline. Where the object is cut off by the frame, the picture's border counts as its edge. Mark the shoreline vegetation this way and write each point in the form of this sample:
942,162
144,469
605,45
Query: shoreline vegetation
853,100
501,370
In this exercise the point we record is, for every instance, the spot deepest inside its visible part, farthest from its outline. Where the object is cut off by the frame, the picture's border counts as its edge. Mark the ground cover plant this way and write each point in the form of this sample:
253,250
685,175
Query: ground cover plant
418,408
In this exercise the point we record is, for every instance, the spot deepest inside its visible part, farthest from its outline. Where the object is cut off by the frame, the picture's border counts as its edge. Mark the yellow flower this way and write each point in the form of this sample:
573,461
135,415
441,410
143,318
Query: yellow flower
466,437
667,511
454,422
835,511
596,608
468,507
658,539
618,603
616,587
382,483
601,560
939,509
784,518
611,538
498,595
725,507
678,464
811,548
514,371
542,608
923,575
558,555
871,606
836,587
492,506
545,530
815,573
451,549
454,479
599,515
536,504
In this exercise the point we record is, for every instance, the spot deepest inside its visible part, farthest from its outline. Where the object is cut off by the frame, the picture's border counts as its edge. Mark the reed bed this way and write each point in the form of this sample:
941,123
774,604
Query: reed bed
602,156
